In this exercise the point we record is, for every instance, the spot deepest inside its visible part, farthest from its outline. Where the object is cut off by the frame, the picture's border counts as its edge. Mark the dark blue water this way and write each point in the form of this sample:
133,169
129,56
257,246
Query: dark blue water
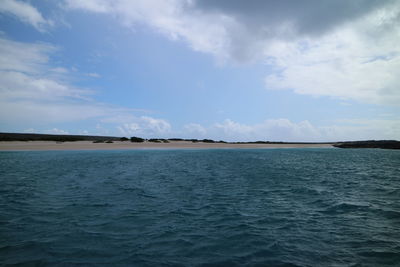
277,207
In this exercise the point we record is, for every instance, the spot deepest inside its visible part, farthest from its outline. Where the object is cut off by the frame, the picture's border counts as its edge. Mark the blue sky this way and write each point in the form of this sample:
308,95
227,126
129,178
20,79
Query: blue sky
232,70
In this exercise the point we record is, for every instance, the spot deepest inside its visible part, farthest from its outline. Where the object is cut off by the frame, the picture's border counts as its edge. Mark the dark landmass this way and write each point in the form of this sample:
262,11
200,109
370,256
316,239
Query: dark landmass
55,137
135,139
384,144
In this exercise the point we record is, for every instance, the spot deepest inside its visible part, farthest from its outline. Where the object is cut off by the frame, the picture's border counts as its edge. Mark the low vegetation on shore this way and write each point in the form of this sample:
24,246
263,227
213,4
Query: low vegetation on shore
384,144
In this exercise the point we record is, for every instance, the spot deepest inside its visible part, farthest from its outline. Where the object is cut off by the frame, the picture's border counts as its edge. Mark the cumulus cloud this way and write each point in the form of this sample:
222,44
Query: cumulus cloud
145,126
273,130
56,131
49,131
287,130
342,49
363,129
300,17
26,13
29,130
172,18
194,130
360,61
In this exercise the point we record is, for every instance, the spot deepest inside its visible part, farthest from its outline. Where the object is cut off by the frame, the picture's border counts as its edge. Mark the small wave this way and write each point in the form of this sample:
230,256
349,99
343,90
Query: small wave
306,191
101,205
390,214
137,191
345,207
384,256
394,192
289,210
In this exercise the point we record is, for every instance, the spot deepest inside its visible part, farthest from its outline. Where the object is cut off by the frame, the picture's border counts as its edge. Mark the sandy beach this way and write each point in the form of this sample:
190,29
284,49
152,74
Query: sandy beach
89,145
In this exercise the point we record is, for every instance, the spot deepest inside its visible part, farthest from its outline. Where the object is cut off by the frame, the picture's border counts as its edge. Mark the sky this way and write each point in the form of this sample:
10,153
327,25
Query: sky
234,70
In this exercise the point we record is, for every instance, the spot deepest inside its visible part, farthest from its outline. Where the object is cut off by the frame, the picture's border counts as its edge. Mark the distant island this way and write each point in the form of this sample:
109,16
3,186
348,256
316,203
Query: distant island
383,144
10,141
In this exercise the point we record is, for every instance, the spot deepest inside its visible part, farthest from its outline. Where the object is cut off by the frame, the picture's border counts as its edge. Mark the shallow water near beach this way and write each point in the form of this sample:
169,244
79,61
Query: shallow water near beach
222,207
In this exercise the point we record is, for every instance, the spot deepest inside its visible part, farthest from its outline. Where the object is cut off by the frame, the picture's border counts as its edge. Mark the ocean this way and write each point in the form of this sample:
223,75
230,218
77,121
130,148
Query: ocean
211,207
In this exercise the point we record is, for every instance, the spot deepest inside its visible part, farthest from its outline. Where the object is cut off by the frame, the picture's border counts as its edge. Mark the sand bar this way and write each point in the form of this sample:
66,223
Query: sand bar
89,145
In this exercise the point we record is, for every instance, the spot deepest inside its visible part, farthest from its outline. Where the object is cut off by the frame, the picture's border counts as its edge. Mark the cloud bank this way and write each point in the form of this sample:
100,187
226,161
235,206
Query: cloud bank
287,130
340,49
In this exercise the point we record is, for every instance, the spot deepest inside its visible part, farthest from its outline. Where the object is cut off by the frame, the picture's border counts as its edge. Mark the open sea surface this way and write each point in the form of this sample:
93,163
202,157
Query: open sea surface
220,207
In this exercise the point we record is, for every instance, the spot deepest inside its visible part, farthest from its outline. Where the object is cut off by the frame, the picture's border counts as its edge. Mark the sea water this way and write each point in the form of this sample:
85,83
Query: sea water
220,207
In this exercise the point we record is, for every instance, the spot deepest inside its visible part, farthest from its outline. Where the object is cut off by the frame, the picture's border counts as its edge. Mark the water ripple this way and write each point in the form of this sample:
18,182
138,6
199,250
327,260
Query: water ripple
280,207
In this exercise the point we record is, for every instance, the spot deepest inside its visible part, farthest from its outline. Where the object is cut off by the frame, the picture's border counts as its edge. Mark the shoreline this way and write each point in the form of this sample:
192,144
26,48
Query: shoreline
126,145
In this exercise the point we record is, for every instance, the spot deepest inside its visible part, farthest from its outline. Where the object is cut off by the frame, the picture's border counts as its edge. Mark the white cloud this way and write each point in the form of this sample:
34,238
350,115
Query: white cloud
48,131
26,73
341,49
203,32
29,130
272,130
56,131
26,13
145,126
24,57
194,130
17,85
98,6
30,93
346,64
364,129
303,131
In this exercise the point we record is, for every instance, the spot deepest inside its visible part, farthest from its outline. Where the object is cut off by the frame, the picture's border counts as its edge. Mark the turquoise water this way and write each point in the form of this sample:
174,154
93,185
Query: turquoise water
272,207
